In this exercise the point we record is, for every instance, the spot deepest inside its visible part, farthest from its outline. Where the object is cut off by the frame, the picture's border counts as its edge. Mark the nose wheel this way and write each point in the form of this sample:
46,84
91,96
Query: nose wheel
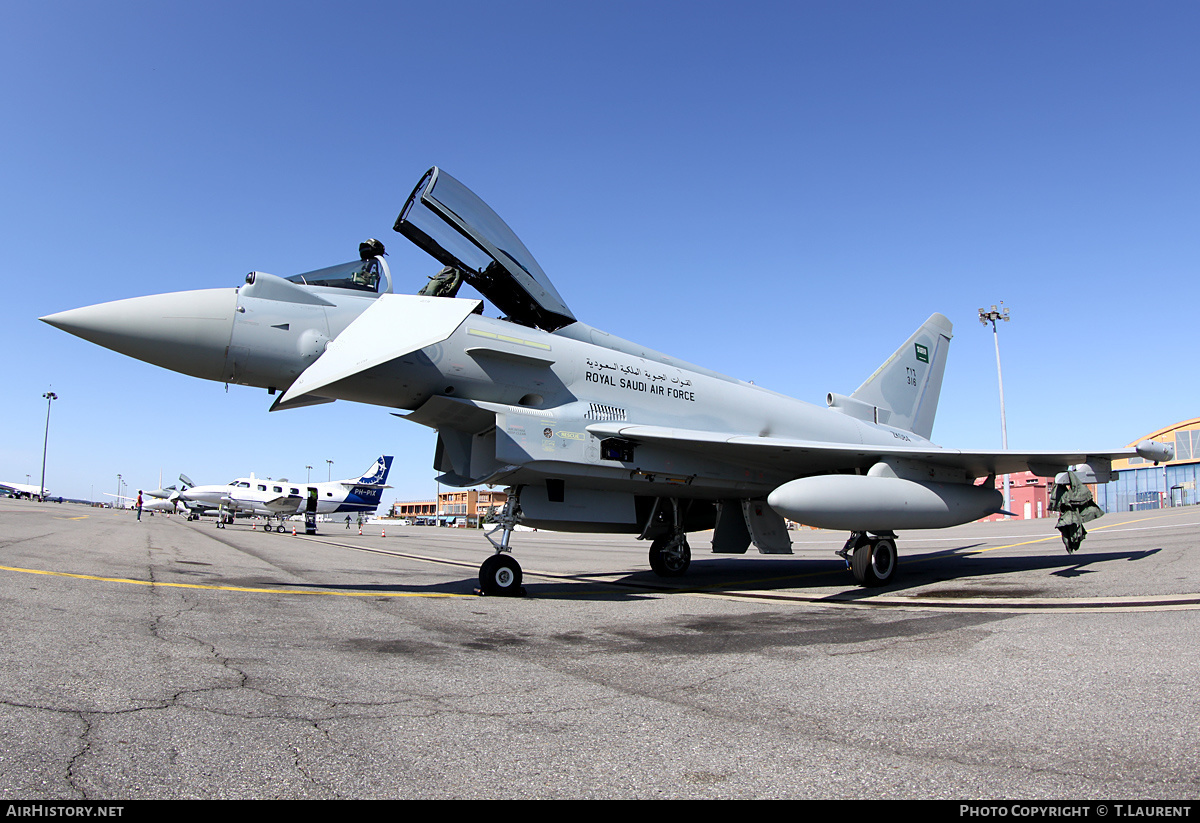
500,574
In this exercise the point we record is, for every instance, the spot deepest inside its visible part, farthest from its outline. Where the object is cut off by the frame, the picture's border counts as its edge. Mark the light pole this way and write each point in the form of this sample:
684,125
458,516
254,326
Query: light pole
50,398
329,470
117,500
992,316
309,480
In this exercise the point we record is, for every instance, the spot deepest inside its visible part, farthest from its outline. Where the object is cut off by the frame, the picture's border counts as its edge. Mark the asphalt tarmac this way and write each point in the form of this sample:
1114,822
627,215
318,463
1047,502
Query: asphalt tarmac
167,659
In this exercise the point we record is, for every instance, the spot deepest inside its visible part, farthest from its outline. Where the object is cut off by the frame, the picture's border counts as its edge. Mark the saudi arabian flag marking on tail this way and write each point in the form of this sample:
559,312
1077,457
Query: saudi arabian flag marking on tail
922,353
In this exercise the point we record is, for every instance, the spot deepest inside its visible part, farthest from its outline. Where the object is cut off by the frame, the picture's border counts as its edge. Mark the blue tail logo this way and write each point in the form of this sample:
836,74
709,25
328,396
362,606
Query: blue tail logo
379,471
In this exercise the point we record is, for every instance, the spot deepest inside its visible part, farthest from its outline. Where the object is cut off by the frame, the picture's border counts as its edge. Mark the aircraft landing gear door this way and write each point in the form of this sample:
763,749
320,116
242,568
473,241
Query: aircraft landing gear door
310,511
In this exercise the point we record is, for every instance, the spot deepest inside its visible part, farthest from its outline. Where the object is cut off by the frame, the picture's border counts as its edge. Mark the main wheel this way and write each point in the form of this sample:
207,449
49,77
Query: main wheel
667,561
874,563
500,574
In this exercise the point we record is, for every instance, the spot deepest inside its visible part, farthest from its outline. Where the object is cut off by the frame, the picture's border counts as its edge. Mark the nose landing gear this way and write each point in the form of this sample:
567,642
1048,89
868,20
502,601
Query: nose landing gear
500,574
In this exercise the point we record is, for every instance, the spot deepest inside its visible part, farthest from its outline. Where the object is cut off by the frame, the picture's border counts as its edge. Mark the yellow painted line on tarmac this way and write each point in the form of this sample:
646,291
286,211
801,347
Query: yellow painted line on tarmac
228,588
971,552
1058,537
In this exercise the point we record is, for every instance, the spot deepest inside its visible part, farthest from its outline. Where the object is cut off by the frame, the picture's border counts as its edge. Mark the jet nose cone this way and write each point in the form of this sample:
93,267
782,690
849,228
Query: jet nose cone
186,331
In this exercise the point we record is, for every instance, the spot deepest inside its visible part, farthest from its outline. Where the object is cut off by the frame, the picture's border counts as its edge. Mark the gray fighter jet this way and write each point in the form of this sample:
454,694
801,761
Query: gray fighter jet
591,432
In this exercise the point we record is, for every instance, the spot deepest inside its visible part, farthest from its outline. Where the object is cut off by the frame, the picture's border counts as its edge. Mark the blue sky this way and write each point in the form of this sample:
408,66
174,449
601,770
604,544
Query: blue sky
779,191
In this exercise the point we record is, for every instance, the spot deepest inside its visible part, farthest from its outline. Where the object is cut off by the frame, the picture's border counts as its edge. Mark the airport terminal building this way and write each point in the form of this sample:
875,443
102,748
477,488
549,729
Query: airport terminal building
469,507
1139,484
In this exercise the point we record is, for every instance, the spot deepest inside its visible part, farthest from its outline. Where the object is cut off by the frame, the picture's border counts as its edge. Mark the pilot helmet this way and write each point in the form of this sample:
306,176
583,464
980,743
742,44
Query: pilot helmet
370,248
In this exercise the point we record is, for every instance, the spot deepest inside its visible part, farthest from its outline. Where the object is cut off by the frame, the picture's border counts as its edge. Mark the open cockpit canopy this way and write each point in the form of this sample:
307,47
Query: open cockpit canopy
450,222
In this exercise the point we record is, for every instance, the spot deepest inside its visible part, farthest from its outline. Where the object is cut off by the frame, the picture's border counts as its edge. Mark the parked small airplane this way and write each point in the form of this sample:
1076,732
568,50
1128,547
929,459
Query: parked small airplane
281,499
151,502
589,431
23,490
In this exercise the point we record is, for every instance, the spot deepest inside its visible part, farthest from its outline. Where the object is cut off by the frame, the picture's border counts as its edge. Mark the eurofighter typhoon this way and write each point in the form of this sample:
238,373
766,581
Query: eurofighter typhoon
590,432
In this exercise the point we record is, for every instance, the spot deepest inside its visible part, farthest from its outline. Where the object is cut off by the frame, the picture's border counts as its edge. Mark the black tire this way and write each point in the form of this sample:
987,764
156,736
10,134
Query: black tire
500,574
667,563
874,563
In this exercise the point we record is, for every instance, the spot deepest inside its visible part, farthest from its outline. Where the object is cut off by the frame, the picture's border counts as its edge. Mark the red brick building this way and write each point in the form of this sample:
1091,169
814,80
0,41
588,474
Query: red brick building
1029,496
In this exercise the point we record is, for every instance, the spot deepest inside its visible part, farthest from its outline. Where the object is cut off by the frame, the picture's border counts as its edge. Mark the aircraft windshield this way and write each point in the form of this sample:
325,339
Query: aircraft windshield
449,221
360,275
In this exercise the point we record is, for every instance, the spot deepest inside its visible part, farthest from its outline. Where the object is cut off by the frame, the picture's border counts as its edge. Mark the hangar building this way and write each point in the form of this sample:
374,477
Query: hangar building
1139,484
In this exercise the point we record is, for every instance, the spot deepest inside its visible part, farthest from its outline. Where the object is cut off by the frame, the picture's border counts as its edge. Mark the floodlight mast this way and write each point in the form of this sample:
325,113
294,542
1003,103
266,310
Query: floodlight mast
50,398
993,315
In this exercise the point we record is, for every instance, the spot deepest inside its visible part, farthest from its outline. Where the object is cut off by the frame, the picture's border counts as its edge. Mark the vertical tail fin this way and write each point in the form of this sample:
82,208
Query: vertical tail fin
909,382
379,471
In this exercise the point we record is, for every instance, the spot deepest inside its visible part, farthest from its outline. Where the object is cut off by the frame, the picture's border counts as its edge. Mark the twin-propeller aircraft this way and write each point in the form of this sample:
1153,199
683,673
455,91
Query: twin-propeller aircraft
282,499
269,498
591,432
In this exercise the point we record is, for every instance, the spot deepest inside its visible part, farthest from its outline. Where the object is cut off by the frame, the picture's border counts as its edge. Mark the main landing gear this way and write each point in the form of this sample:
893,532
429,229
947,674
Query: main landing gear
278,528
872,559
500,574
670,554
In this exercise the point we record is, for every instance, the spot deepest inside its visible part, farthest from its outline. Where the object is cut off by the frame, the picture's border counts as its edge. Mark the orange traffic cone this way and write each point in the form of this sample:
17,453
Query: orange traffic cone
293,530
383,532
360,531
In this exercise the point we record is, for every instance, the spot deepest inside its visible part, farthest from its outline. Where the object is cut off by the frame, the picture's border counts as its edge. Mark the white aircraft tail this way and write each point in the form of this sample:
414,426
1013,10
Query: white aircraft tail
906,387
